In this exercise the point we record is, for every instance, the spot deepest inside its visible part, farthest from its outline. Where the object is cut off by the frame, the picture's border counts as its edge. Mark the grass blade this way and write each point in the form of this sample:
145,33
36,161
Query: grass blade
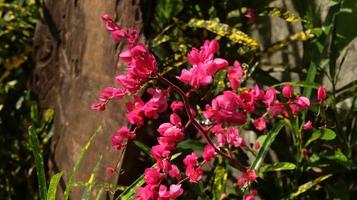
52,188
266,145
309,185
91,181
40,169
77,164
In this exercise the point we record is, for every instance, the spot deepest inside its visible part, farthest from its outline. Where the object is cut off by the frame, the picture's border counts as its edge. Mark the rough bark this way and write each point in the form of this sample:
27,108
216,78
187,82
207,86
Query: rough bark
74,59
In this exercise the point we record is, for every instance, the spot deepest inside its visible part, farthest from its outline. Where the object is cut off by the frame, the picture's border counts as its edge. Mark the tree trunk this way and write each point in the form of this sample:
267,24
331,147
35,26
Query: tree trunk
75,58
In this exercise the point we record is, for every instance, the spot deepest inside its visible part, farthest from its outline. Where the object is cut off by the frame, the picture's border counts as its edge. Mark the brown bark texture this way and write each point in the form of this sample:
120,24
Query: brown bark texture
75,58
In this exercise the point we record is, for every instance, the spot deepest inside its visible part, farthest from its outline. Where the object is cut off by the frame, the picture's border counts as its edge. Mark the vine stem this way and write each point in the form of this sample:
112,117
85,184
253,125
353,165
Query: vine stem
190,116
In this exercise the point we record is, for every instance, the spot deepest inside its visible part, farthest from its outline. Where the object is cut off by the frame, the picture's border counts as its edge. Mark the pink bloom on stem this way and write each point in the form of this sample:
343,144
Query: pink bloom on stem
121,136
98,106
247,101
190,160
260,123
160,152
140,61
234,75
204,65
135,114
308,125
276,109
110,170
288,91
157,104
130,83
145,193
233,137
152,176
209,153
194,174
248,197
269,97
303,102
321,94
257,93
241,182
174,192
249,14
256,145
174,172
250,175
175,119
224,109
118,34
176,106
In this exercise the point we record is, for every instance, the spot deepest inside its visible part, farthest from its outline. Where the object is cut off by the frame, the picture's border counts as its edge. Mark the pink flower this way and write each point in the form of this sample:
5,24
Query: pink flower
118,34
194,174
135,114
321,94
176,106
209,153
160,152
224,109
110,170
174,192
152,176
259,123
269,97
308,125
276,109
190,160
249,14
130,83
141,63
146,193
98,106
241,182
303,102
234,75
121,136
248,197
204,65
175,119
174,172
247,101
250,175
157,104
256,145
233,137
288,91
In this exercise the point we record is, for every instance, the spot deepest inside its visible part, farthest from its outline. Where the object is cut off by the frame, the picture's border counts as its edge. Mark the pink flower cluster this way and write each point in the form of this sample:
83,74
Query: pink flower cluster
226,113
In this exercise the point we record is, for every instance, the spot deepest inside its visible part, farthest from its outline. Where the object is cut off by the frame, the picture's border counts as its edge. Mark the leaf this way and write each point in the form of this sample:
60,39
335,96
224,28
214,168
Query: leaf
300,36
323,134
52,188
193,145
130,192
220,179
91,181
143,147
225,31
78,163
282,13
307,186
266,145
280,166
40,169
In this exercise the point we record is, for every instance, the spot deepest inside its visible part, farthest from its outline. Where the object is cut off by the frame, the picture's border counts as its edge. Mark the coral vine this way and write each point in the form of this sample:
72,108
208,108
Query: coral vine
227,112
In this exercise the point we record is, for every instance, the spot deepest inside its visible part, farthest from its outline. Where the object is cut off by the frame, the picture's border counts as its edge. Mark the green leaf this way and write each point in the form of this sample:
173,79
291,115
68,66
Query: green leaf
52,188
266,145
280,166
194,145
40,169
225,31
143,147
130,192
91,181
323,134
220,179
78,163
309,185
279,12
